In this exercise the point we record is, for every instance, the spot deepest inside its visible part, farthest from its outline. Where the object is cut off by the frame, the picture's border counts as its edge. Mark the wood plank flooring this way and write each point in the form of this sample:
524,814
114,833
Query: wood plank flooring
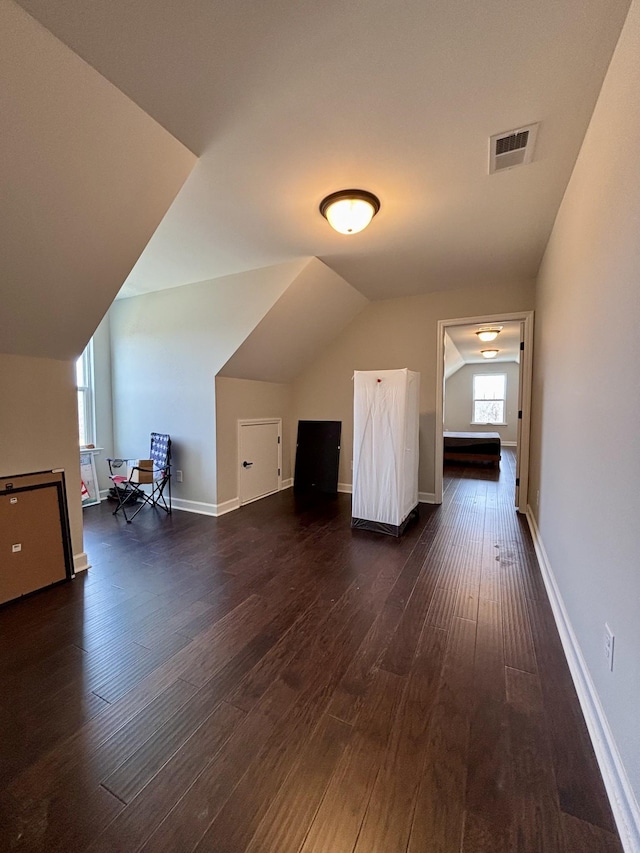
272,682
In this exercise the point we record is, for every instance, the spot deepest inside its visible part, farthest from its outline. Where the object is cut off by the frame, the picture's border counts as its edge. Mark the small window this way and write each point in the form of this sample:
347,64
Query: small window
489,396
86,408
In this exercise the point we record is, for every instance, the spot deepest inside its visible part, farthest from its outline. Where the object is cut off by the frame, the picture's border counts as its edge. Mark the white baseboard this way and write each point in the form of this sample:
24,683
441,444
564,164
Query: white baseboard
623,802
227,506
345,488
216,510
509,443
80,562
202,508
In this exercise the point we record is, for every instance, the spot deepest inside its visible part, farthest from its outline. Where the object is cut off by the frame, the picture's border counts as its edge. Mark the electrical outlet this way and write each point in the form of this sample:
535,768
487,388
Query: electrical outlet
179,476
609,640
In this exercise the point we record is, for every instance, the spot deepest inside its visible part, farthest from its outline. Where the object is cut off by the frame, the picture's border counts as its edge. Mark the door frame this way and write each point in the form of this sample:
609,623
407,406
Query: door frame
522,450
253,422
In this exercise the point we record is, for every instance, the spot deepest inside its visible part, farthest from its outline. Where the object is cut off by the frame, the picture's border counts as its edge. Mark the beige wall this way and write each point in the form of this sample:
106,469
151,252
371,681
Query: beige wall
239,399
39,425
585,449
167,348
458,400
395,333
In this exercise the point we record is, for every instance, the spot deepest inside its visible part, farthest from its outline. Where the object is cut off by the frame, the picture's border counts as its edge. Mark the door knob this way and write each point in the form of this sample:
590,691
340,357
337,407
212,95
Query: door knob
246,464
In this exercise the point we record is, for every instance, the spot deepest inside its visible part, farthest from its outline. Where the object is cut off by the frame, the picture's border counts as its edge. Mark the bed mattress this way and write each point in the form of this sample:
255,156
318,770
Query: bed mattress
472,446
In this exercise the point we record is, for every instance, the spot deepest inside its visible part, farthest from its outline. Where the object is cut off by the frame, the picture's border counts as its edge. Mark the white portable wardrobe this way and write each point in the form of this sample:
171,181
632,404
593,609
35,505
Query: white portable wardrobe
385,449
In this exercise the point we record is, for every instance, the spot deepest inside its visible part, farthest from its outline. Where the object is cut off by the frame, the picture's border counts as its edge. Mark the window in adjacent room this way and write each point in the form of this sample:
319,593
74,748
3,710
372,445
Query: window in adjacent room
489,396
86,405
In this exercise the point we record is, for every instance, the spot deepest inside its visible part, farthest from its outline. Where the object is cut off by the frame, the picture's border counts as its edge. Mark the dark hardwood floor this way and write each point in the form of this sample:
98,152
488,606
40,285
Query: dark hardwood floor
271,681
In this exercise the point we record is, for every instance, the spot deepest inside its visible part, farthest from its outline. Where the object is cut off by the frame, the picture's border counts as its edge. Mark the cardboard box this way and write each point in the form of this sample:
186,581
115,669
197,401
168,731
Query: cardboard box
144,475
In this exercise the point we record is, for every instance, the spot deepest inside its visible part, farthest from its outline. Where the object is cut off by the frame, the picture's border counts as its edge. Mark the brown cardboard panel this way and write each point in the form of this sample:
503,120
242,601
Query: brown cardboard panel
23,481
32,553
141,471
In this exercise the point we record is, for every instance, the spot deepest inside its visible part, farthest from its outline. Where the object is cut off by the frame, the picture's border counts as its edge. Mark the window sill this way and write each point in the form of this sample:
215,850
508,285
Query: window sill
477,423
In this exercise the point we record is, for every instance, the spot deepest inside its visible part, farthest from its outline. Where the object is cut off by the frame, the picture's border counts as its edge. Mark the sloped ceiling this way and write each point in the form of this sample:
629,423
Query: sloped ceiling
453,361
315,307
288,101
86,177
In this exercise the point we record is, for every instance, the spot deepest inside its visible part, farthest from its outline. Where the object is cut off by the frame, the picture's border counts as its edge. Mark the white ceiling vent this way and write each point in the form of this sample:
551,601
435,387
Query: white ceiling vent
513,148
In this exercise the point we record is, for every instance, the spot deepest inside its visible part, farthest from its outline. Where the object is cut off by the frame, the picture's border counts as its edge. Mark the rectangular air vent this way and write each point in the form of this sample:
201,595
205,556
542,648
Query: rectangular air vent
513,148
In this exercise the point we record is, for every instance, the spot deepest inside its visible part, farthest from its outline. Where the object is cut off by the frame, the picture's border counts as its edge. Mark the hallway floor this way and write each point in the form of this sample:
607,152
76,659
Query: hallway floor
271,681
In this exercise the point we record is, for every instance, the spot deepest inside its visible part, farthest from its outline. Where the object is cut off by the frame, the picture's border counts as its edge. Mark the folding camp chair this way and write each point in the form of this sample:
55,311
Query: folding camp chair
129,476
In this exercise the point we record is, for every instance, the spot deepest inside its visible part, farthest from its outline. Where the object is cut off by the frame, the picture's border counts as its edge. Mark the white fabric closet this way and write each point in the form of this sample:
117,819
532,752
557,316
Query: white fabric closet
385,449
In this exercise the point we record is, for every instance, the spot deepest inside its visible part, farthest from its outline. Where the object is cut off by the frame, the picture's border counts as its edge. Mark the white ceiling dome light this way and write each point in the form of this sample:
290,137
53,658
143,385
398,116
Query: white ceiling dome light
489,334
349,211
489,353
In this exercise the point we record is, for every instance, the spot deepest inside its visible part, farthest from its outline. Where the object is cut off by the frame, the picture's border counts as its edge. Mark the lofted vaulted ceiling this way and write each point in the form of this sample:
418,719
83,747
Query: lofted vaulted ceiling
85,178
287,101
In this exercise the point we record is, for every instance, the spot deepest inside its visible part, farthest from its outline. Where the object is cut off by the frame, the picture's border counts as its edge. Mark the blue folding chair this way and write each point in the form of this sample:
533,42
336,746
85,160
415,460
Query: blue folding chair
128,480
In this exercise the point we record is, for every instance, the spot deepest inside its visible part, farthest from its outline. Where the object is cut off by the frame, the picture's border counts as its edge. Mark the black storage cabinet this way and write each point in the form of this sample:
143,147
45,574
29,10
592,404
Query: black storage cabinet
317,457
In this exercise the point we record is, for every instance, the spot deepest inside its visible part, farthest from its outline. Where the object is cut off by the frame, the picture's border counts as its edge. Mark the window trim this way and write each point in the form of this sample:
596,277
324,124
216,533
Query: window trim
474,399
88,396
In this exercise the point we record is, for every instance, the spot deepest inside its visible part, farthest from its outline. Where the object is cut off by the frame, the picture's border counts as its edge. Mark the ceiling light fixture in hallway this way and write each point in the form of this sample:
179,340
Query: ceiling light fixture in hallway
349,211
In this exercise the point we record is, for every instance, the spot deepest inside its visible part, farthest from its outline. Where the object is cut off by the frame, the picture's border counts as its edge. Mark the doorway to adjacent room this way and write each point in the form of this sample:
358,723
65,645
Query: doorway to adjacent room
487,410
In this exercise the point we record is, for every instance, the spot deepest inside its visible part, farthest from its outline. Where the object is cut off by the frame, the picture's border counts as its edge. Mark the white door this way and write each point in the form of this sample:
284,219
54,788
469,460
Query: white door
259,459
